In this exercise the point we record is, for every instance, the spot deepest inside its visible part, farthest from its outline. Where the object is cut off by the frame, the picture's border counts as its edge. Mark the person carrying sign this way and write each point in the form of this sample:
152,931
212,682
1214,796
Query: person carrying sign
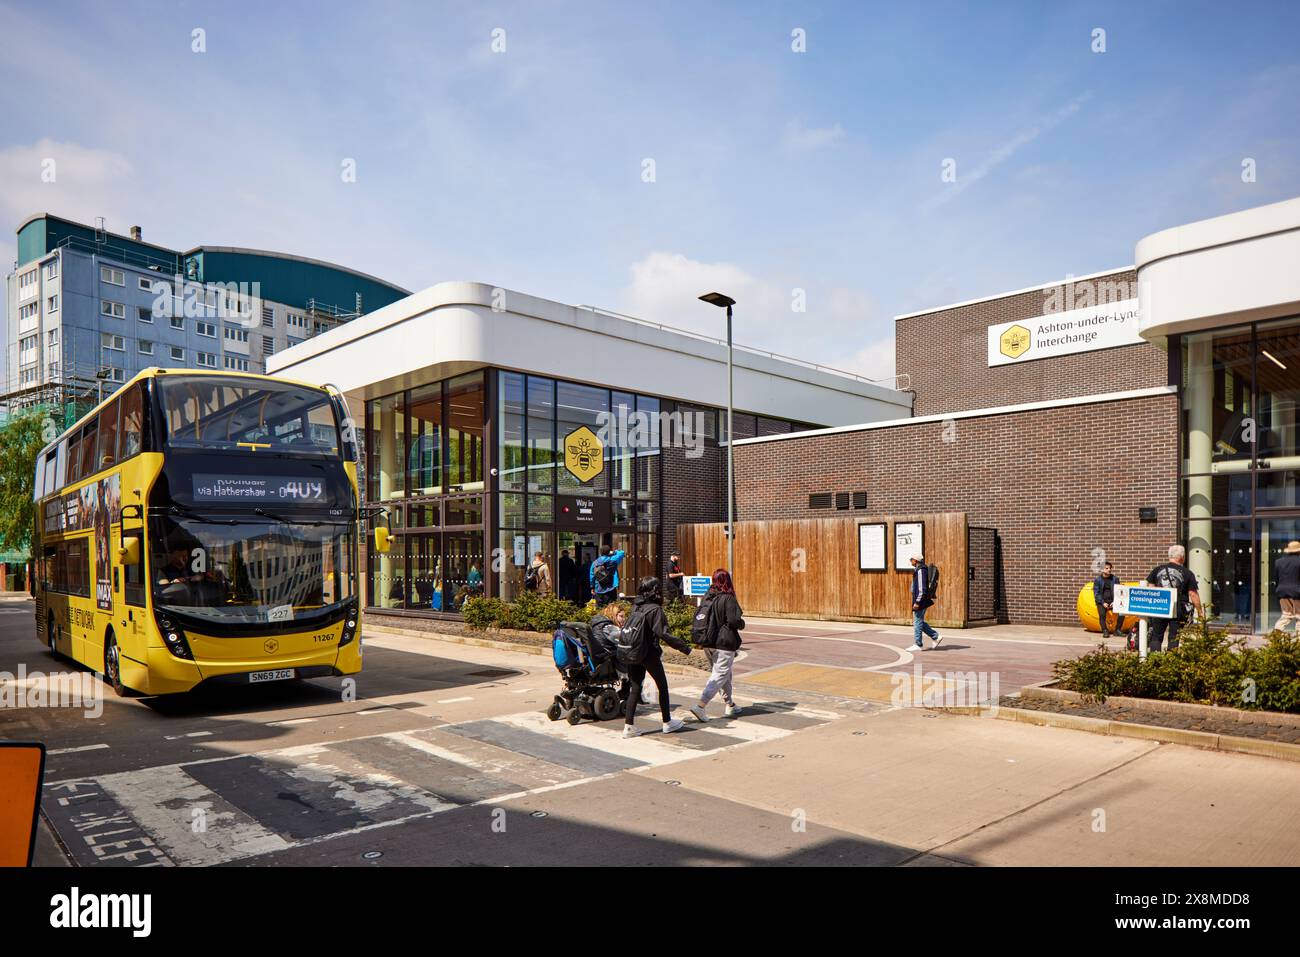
1174,574
925,585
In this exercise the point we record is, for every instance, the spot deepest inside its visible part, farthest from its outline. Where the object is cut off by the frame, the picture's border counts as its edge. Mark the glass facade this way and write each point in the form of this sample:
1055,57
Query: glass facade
470,472
1240,462
425,465
544,507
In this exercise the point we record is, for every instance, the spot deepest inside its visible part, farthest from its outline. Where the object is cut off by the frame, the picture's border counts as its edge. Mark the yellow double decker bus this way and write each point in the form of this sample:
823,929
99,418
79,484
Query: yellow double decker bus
202,528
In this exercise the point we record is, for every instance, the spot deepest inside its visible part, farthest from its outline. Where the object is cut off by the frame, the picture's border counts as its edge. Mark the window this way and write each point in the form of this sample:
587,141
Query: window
132,427
108,435
177,354
207,359
89,447
178,322
53,371
28,311
114,277
27,283
294,342
463,418
110,341
74,457
52,304
207,329
27,351
235,335
52,337
116,375
236,363
114,309
52,269
145,283
145,347
144,314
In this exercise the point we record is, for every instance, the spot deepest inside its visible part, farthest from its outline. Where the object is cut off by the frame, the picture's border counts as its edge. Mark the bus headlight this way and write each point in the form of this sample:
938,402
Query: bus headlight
349,627
174,638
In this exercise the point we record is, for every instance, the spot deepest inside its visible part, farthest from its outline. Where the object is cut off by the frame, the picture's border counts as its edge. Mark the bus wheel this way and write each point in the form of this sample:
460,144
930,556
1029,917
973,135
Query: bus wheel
113,664
51,635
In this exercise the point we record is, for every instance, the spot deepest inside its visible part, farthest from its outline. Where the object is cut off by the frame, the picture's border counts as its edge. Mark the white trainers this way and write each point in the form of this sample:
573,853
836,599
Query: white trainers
733,709
631,731
698,711
937,640
913,646
676,724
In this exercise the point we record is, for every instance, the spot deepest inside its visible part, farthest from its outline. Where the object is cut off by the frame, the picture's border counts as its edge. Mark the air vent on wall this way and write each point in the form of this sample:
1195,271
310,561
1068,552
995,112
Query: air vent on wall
859,499
841,499
819,500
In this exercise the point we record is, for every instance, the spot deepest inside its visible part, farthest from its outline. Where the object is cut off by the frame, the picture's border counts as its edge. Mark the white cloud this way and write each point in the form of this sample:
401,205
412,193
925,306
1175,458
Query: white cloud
839,327
801,139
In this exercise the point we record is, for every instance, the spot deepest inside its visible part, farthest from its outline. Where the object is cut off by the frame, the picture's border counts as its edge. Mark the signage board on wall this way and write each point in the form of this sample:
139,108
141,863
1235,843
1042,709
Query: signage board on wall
1065,333
580,511
871,547
909,540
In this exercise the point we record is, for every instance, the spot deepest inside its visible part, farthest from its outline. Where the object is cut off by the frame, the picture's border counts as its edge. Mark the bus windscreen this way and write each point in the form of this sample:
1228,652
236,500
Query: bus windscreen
234,413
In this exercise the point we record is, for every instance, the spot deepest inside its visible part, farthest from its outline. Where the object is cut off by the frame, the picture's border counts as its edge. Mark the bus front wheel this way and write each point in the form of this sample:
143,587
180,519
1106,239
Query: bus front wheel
51,637
113,664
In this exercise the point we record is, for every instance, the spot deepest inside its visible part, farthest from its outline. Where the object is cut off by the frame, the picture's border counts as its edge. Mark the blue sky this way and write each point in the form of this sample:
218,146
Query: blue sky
774,170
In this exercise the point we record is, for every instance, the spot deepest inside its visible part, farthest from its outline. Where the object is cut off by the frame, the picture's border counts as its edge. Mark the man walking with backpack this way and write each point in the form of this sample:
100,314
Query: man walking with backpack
538,576
716,628
604,575
925,585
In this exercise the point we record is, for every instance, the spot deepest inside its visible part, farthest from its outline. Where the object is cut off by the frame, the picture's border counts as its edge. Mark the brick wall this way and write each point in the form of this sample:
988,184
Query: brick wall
695,489
1044,480
946,354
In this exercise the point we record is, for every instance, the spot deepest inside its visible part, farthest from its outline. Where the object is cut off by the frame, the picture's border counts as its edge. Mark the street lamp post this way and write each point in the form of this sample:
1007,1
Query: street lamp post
718,299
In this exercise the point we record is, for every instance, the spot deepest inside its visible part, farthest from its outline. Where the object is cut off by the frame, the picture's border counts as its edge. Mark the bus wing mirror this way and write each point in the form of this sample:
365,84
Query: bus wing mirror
129,552
382,540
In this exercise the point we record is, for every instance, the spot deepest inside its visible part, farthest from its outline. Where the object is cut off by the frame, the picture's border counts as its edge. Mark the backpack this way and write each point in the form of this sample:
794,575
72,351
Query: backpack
931,581
603,574
530,578
704,626
632,643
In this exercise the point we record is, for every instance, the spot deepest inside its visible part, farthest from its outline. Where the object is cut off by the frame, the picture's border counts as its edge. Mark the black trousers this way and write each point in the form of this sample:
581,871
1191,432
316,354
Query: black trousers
1156,629
654,667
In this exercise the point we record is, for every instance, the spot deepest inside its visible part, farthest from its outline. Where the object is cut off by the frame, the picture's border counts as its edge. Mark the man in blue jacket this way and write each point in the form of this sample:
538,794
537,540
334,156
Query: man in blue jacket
604,575
924,583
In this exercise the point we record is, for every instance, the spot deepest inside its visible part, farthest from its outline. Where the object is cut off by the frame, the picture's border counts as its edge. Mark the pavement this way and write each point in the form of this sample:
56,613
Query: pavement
443,756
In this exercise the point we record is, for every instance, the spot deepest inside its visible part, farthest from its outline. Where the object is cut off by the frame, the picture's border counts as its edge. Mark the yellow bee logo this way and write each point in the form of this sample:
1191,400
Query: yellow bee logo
1015,342
584,454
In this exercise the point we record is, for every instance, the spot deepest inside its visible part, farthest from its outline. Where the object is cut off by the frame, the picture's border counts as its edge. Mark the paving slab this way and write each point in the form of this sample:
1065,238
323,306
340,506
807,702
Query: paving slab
1175,807
909,778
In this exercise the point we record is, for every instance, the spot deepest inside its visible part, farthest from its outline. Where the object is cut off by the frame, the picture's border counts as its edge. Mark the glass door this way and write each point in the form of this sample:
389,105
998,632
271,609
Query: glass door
1272,535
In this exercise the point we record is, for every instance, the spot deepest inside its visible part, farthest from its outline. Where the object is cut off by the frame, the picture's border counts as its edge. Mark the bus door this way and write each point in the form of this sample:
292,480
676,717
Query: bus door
128,571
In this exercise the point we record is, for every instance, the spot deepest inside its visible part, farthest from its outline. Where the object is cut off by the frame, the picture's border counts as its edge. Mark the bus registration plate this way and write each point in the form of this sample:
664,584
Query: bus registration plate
284,674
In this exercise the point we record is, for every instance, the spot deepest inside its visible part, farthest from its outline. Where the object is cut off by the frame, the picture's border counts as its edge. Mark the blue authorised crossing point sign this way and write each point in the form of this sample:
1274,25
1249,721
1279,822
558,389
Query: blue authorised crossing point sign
1145,600
696,586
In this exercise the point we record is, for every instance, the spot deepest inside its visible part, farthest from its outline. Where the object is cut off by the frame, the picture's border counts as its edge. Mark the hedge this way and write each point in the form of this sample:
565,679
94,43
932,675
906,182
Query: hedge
1207,667
543,613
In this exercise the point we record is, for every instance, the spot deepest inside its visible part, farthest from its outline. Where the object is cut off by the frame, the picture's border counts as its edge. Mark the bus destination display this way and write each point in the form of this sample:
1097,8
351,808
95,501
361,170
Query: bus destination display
257,488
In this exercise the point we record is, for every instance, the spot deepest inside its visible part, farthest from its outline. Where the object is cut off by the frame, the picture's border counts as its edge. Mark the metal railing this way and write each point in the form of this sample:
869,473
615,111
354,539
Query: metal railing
902,382
116,252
